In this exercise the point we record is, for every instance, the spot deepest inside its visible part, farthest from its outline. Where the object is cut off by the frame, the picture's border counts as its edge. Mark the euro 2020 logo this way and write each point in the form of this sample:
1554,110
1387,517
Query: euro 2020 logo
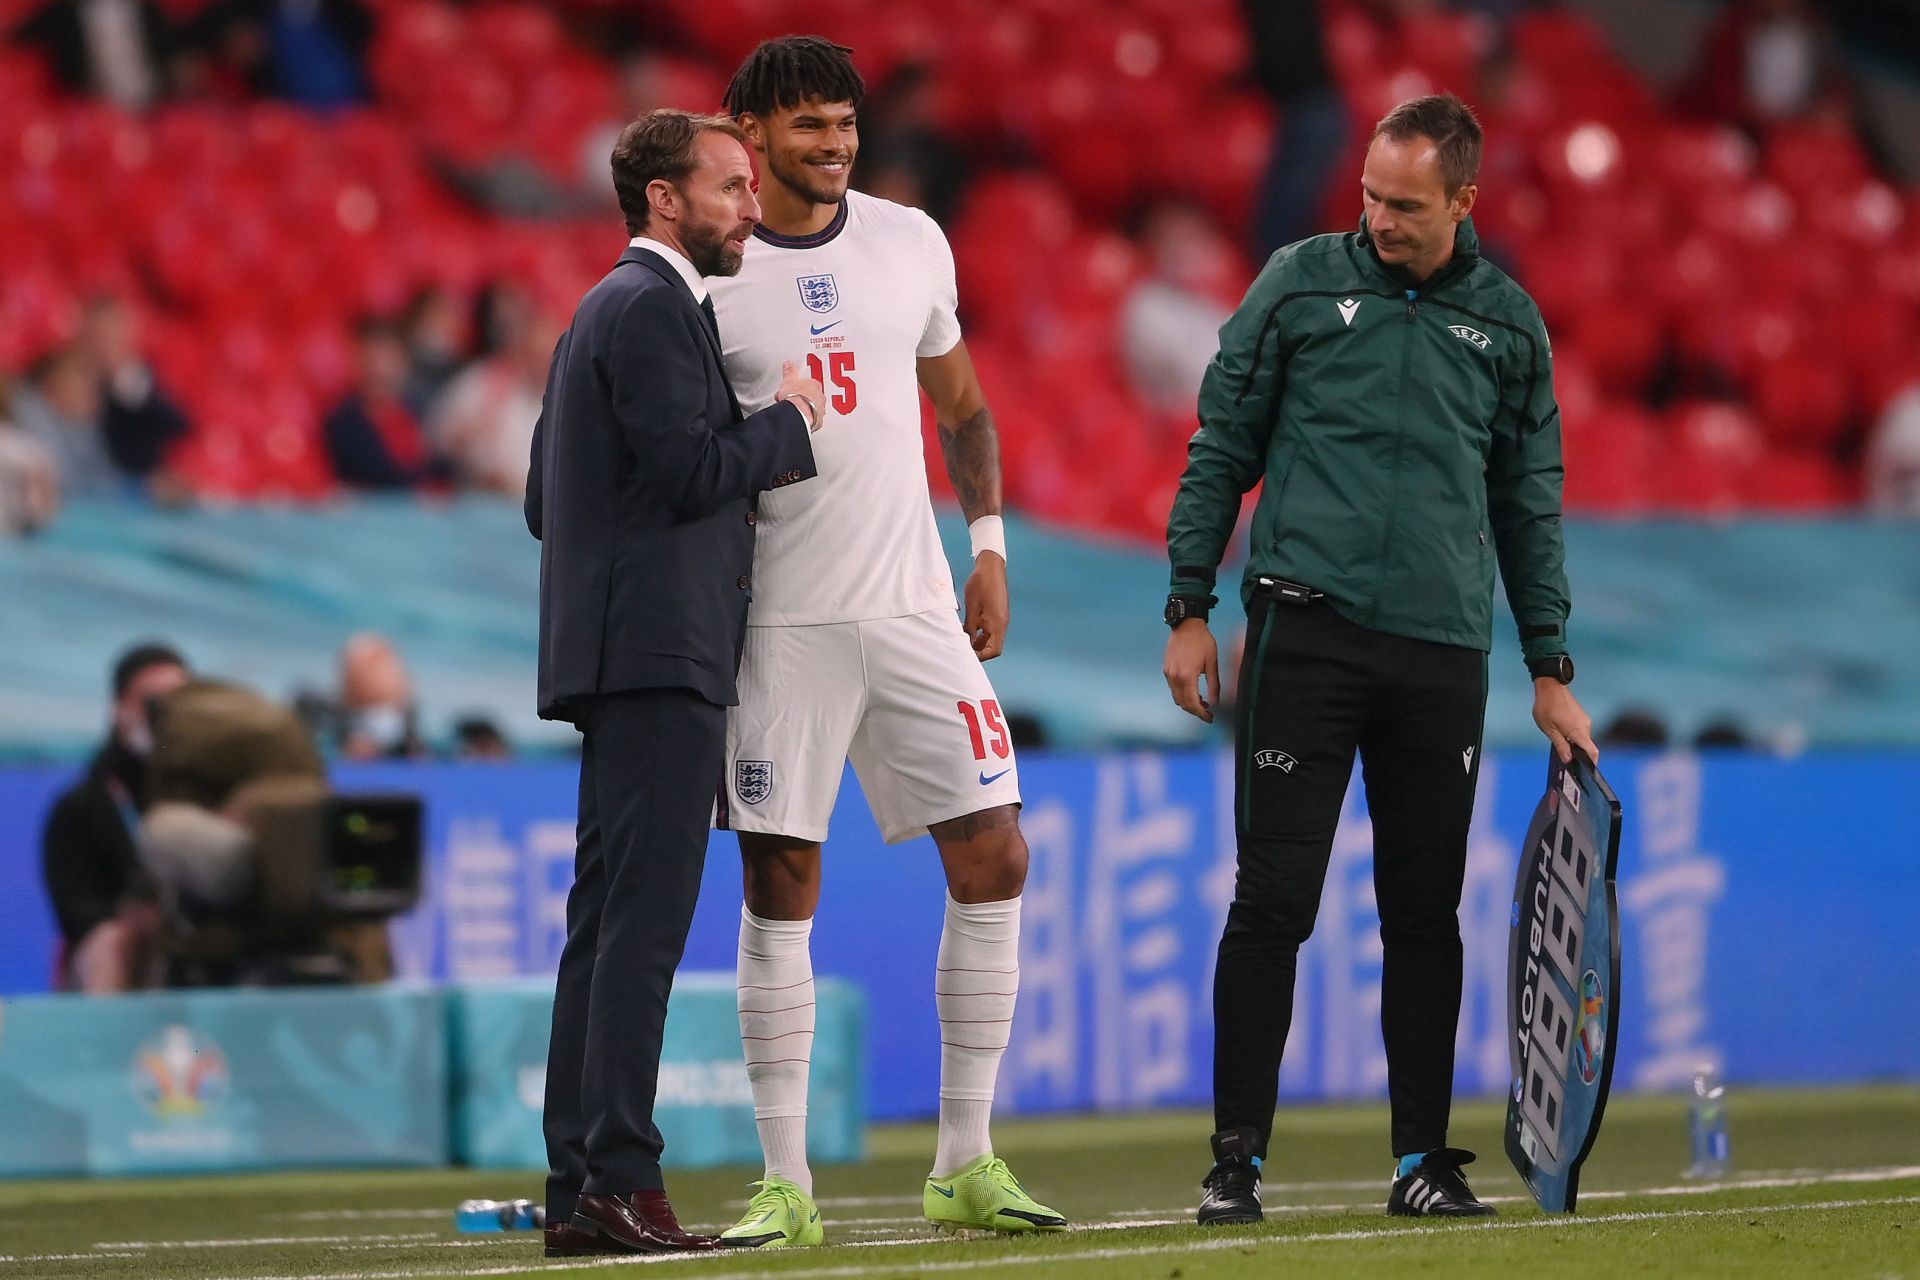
1590,1035
180,1074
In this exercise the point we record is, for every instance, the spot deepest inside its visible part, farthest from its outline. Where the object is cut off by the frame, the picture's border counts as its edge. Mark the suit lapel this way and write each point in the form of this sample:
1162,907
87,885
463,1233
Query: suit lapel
659,266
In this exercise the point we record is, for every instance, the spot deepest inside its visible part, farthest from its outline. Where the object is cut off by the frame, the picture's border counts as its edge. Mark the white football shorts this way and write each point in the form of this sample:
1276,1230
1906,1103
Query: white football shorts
905,699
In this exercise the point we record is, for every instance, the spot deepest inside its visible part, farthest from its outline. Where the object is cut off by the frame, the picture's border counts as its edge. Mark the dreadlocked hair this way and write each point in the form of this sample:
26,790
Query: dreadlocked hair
790,70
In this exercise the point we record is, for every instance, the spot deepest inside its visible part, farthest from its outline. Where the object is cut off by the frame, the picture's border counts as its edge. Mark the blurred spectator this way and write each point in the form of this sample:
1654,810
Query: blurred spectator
904,157
118,50
1291,67
1765,62
305,51
484,420
648,79
377,718
478,738
105,908
1634,727
1171,321
29,486
61,407
138,420
373,438
517,185
435,334
1723,733
1893,458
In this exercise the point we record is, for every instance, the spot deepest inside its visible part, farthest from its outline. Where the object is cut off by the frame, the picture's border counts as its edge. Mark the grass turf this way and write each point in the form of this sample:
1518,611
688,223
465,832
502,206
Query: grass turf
1824,1185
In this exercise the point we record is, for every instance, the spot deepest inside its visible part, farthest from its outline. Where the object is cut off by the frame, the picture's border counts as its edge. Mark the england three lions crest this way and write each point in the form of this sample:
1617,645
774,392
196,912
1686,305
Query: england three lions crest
753,780
818,293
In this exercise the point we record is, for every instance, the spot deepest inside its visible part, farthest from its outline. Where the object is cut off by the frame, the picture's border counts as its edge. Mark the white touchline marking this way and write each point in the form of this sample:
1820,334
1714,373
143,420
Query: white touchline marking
1755,1178
1810,1178
1133,1218
62,1257
1202,1245
253,1241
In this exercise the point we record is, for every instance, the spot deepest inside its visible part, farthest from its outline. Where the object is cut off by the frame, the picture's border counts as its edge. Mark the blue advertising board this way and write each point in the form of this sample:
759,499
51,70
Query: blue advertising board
1751,896
704,1104
219,1080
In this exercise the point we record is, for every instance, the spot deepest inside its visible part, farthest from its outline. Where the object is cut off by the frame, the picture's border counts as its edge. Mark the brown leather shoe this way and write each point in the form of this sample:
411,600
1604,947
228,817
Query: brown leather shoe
564,1240
617,1226
653,1209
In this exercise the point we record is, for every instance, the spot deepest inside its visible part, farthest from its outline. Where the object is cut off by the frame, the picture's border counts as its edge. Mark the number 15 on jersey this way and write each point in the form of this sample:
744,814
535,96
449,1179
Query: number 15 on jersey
835,373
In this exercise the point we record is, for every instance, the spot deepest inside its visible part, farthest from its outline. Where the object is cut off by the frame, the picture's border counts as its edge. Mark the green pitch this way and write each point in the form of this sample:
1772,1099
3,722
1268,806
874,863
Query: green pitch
1826,1183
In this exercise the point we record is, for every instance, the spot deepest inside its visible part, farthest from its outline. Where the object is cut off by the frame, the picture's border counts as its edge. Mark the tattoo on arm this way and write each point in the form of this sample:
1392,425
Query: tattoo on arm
972,451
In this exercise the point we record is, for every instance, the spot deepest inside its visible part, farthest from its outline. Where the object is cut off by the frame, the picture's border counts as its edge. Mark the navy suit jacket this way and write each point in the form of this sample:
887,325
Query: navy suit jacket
641,490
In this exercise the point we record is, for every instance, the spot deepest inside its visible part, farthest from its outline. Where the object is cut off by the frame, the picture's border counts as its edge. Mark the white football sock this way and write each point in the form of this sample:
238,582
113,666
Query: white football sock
776,1029
975,987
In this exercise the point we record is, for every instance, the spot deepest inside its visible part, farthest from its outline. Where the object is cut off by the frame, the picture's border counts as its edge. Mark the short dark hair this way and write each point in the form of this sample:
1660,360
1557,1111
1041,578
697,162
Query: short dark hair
142,657
790,70
1452,126
659,145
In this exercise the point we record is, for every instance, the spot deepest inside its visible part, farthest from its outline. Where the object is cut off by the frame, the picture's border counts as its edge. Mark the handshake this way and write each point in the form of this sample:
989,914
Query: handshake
807,393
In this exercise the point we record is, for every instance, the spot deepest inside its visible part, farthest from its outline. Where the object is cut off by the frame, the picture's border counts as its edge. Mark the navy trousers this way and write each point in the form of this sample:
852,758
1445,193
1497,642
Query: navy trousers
649,767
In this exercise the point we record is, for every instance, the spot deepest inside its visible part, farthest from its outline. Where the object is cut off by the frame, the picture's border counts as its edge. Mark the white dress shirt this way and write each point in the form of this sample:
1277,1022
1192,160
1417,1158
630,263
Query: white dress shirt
678,261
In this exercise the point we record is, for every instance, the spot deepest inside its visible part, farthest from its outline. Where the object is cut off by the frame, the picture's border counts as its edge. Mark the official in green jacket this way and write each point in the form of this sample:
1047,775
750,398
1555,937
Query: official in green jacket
1394,391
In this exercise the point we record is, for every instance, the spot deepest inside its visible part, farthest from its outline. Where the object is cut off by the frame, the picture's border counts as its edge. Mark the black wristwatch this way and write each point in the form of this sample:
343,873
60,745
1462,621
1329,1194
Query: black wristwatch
1180,608
1559,667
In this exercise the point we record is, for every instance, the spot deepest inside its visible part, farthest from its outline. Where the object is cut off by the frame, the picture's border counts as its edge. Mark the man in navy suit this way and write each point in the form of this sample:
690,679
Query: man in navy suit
642,488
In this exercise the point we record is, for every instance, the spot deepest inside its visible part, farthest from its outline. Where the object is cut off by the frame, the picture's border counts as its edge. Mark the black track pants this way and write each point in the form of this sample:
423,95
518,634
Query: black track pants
1313,688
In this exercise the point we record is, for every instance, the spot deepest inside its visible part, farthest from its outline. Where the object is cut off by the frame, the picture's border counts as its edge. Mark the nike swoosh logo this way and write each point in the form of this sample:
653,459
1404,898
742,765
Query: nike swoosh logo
817,330
945,1191
815,1217
988,780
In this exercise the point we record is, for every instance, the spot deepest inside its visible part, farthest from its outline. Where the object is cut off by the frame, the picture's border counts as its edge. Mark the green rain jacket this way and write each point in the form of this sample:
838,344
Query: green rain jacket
1406,439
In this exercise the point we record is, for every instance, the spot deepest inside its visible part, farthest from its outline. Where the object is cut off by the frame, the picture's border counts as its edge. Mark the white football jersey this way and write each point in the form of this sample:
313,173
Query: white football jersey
858,303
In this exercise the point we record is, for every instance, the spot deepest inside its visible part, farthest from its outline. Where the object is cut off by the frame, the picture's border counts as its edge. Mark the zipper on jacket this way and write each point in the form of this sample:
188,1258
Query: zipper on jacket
1399,443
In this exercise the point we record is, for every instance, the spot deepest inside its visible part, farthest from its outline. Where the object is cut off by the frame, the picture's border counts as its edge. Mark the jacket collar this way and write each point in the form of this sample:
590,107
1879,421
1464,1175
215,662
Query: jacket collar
1466,255
677,261
650,256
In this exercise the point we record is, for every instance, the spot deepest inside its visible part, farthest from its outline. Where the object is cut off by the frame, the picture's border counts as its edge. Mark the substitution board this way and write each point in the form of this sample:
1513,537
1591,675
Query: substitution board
1563,981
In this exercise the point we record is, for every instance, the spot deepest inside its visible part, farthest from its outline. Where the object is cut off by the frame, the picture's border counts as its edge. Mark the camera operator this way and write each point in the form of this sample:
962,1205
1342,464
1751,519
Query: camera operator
101,897
266,875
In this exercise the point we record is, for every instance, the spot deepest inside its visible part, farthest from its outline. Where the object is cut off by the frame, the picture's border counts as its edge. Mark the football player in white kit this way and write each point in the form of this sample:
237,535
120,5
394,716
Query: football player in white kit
853,650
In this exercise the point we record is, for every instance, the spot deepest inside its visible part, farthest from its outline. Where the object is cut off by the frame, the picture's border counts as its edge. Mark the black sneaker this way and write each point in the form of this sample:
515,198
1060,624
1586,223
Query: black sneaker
1437,1189
1233,1184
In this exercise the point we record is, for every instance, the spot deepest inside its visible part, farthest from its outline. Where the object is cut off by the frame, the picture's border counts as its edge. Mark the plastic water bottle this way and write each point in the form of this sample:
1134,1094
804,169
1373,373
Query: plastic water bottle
1707,1122
497,1215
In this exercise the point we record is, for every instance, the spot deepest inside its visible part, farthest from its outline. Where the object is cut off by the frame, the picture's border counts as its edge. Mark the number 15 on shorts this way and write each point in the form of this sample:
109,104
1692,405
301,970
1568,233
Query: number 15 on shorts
987,728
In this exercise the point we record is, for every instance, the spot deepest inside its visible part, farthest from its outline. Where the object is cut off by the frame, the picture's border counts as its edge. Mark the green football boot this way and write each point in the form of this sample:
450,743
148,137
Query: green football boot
985,1196
780,1216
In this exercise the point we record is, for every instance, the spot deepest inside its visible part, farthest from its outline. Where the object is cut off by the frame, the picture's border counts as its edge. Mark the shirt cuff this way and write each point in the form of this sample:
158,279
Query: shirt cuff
1543,640
1191,580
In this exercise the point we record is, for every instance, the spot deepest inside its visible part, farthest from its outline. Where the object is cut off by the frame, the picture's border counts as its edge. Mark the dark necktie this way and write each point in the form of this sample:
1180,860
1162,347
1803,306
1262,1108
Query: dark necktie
713,324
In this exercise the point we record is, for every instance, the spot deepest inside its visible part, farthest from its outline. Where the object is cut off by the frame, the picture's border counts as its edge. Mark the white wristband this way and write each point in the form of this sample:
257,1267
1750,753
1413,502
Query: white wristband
989,533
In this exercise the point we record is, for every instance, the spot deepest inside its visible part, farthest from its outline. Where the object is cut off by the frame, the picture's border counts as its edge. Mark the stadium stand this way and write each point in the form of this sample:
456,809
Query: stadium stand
1694,379
1703,621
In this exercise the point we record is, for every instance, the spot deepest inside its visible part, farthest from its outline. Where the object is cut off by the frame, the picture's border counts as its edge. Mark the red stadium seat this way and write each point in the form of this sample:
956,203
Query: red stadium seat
1800,482
1712,452
1612,452
1784,274
1804,399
